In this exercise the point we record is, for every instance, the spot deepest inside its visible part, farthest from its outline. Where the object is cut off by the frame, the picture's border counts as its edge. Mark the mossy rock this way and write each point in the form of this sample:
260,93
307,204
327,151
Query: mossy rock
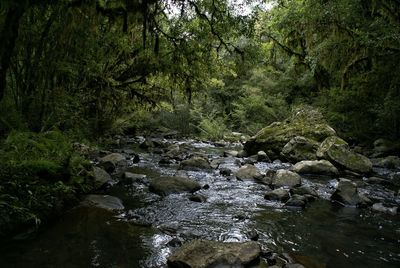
274,137
173,185
337,151
300,148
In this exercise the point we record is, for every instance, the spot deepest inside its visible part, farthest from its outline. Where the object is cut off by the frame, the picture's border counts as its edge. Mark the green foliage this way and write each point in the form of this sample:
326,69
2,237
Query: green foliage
40,175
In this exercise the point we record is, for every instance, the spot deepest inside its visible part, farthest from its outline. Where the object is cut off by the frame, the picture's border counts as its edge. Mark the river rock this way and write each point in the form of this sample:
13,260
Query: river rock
101,177
338,152
377,180
347,194
381,208
212,254
225,172
392,162
130,177
248,172
111,161
323,167
198,198
195,163
173,185
278,195
304,190
305,122
285,177
300,148
263,157
231,153
384,147
296,201
103,201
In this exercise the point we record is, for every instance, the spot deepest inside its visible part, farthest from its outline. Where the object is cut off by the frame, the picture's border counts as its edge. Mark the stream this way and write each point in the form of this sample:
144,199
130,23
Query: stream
150,227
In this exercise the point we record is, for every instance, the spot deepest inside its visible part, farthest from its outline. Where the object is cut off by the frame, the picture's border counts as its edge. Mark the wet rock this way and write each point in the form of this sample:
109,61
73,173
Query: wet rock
242,153
146,144
253,235
248,172
103,201
195,163
293,265
278,195
111,161
392,162
225,172
305,122
208,254
304,190
285,177
198,198
347,194
381,208
231,153
250,160
296,201
338,152
101,177
175,242
323,167
164,186
377,180
263,157
165,161
129,178
383,147
300,148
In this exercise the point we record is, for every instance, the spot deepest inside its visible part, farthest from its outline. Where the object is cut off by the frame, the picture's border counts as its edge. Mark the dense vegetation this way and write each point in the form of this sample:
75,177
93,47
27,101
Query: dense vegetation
85,69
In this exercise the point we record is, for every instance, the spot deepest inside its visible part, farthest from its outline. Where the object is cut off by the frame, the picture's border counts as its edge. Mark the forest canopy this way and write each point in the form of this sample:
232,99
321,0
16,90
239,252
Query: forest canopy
93,68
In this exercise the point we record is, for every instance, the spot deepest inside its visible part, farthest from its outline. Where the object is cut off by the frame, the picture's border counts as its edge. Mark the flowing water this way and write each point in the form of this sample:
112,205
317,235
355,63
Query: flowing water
150,227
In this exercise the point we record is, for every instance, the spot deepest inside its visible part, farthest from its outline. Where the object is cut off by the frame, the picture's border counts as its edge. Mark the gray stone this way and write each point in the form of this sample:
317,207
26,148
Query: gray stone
133,177
231,153
198,198
384,147
284,177
300,148
387,162
173,185
213,254
347,194
101,177
278,195
263,157
103,201
111,161
195,163
296,201
338,152
381,208
323,167
248,172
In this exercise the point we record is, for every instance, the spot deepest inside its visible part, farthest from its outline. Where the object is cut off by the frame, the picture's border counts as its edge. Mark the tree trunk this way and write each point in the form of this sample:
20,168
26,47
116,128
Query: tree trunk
9,35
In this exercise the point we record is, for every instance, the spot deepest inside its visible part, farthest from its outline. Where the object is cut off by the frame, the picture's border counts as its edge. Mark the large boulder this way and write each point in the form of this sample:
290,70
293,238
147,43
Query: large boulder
287,178
248,172
195,163
300,148
173,185
307,123
323,167
111,161
338,152
347,194
208,254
